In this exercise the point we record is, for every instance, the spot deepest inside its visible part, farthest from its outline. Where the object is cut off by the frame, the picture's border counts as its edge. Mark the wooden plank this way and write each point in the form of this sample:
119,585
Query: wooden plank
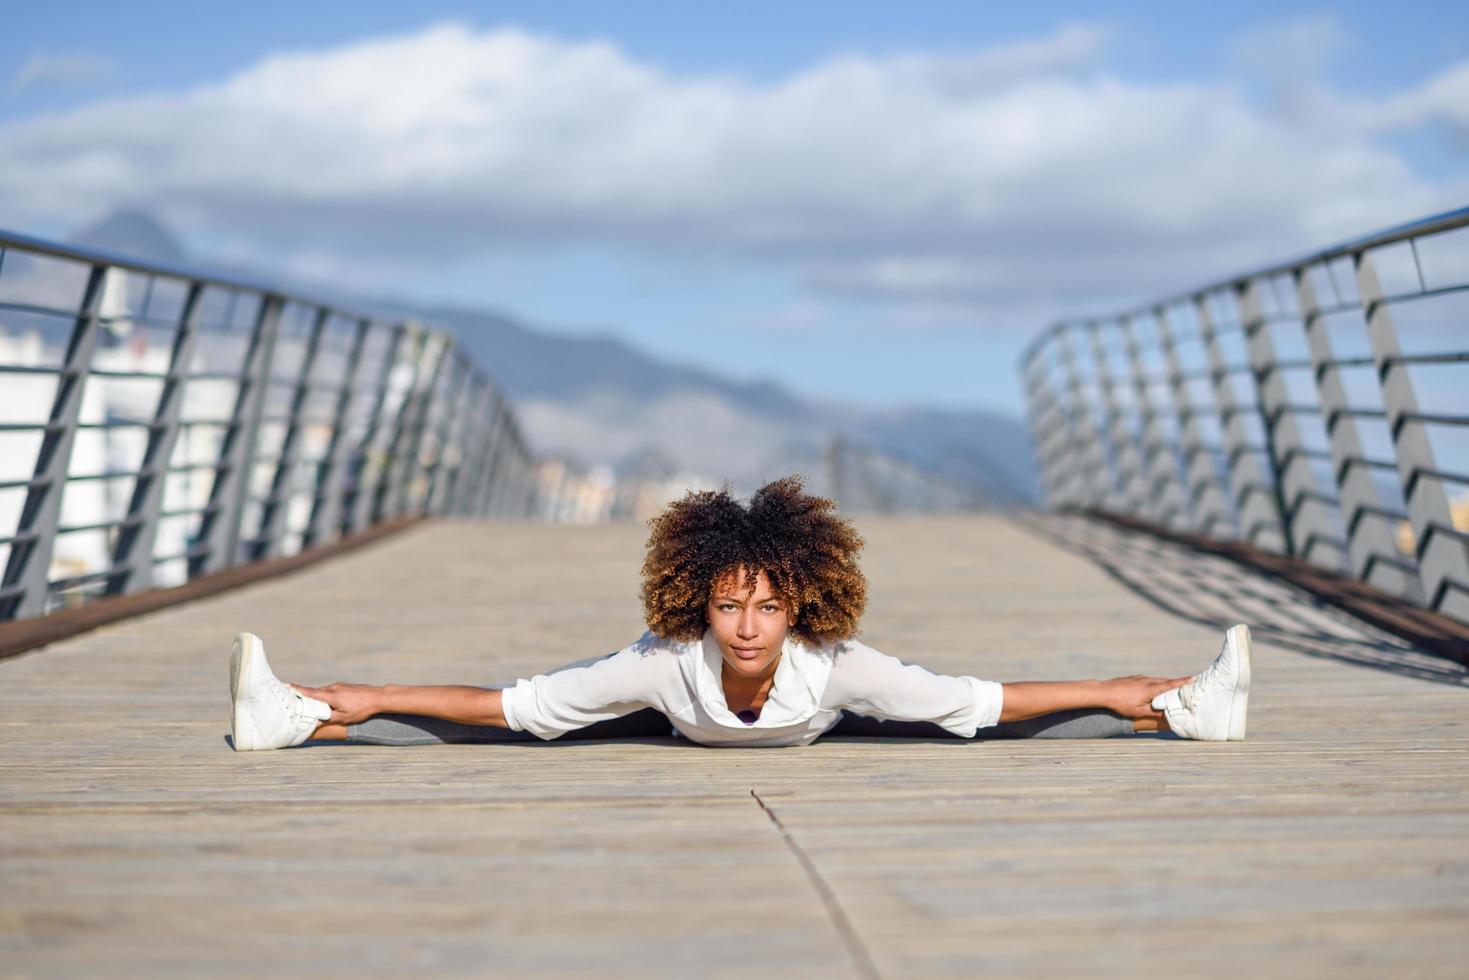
1336,839
19,635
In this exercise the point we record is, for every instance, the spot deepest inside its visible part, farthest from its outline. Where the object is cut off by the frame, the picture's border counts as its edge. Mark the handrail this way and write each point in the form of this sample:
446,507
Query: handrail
333,419
118,260
1422,227
1289,449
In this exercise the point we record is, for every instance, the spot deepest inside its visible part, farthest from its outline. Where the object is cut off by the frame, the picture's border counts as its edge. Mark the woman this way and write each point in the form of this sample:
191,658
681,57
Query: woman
752,613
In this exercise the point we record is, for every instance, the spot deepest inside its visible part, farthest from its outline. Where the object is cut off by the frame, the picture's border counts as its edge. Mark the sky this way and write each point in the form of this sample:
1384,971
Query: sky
866,203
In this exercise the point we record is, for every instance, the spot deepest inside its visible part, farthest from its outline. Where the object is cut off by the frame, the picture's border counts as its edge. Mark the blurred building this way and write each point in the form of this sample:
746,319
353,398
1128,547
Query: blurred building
569,494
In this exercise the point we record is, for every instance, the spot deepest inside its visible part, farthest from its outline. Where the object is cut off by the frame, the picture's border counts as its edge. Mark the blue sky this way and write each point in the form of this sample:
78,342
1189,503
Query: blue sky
877,203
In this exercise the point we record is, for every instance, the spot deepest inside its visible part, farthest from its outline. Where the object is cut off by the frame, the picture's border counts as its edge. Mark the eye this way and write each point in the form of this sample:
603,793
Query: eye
770,607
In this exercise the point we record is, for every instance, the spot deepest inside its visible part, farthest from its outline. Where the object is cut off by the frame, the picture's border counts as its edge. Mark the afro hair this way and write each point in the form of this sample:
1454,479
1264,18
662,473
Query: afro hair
806,550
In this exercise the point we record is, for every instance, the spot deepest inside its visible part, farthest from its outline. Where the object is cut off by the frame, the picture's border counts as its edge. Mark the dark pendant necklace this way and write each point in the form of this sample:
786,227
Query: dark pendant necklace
748,716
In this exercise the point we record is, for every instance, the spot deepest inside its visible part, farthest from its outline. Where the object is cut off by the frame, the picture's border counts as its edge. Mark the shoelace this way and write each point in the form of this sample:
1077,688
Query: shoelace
1186,694
294,703
1203,681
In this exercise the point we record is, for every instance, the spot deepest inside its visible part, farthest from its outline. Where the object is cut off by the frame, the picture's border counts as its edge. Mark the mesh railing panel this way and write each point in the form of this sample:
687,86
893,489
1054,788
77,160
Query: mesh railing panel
157,424
1318,408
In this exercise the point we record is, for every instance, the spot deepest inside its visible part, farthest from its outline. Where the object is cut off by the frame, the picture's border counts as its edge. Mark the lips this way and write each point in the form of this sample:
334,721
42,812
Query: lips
747,653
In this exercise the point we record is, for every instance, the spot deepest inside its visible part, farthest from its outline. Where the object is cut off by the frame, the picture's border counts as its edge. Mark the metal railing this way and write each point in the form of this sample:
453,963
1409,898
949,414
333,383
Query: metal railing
1317,408
158,423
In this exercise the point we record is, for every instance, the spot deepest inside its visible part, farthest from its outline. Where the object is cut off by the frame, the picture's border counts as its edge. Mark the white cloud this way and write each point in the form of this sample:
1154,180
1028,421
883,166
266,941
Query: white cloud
1292,51
792,317
1444,99
60,70
1025,174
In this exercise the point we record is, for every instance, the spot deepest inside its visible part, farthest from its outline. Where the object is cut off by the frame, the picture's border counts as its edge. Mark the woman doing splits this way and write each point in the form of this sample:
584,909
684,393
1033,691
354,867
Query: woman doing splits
752,613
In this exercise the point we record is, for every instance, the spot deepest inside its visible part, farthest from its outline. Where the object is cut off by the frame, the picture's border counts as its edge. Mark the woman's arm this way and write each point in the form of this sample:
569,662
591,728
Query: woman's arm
353,703
547,705
874,684
1130,697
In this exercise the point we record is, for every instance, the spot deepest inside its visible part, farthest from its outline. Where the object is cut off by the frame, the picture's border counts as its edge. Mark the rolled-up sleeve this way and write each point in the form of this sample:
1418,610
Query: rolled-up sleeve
588,691
879,686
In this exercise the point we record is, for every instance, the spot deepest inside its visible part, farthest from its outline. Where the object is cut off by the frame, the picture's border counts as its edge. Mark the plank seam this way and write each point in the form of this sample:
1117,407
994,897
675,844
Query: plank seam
861,957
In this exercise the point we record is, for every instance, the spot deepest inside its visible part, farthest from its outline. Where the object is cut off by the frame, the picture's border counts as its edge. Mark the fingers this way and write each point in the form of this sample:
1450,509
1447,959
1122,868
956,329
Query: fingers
321,692
338,698
1167,683
1136,693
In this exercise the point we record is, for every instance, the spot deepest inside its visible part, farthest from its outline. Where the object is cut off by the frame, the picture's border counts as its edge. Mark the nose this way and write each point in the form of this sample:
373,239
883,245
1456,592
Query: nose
747,629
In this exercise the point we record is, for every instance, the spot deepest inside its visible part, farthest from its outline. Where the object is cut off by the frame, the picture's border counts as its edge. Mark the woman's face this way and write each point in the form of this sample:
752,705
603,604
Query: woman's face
750,625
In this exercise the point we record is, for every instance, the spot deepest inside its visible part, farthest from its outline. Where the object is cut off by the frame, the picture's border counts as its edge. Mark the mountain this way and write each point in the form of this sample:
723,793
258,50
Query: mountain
134,234
599,400
532,364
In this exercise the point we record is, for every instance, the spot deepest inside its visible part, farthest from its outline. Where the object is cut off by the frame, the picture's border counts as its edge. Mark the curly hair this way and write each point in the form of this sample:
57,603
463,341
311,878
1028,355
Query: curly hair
806,550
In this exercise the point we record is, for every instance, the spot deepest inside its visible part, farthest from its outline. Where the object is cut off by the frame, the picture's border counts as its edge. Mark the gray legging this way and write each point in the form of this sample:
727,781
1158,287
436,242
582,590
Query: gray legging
651,723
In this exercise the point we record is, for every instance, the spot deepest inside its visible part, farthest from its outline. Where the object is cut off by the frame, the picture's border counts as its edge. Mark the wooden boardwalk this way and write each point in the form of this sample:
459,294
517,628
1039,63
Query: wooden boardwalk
1335,842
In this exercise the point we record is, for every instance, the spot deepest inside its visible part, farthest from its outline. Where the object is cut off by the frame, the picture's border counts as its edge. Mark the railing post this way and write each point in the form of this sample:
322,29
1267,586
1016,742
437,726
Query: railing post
1163,500
466,444
359,502
1128,493
441,472
484,481
29,565
1305,524
220,527
329,485
1443,561
474,493
133,550
1206,504
1253,498
1369,536
1086,441
1075,475
268,543
389,489
414,468
476,447
471,448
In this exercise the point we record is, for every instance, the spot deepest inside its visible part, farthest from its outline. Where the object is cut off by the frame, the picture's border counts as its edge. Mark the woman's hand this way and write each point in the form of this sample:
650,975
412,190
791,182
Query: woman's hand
351,703
1131,697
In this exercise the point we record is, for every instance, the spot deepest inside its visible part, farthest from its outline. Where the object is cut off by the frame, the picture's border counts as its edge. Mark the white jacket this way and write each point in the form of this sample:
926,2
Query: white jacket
812,686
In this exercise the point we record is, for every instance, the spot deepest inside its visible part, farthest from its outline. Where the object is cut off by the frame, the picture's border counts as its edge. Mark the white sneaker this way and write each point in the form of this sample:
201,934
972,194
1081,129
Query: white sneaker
1212,706
265,713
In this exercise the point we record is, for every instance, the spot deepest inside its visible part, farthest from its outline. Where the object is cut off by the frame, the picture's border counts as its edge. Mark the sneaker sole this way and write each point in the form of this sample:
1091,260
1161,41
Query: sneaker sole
241,656
1239,638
